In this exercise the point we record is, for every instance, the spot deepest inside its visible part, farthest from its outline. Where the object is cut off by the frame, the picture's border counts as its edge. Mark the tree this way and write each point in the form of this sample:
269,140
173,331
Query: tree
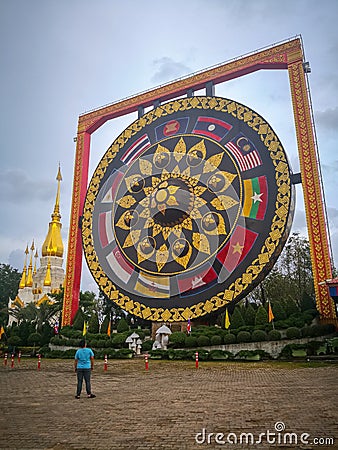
9,285
249,315
122,325
93,324
261,316
236,319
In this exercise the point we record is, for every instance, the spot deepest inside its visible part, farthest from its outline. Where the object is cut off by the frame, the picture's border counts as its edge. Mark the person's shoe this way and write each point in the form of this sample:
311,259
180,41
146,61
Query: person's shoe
77,396
91,396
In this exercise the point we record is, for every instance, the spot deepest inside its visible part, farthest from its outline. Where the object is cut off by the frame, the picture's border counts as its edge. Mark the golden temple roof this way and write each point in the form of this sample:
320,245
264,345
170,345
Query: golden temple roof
53,245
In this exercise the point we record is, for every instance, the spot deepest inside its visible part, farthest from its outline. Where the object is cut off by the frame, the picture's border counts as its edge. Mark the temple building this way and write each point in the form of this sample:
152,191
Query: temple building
37,282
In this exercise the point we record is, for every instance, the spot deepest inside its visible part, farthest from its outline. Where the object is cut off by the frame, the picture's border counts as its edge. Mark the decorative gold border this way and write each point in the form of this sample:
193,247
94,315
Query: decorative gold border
278,223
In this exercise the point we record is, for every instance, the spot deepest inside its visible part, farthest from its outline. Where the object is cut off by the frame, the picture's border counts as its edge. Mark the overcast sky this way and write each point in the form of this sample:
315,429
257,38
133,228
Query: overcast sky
60,58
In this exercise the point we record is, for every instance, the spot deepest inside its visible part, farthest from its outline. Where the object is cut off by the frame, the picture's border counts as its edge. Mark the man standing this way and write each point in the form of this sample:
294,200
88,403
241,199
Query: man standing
84,364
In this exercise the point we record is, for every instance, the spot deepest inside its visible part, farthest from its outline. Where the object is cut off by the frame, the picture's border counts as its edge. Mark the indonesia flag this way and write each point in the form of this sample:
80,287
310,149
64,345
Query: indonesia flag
119,265
211,127
106,234
136,149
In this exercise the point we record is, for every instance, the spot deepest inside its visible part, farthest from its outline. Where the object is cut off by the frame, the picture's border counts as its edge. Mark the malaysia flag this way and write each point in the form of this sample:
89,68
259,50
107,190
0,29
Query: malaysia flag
136,149
119,265
211,127
244,151
171,128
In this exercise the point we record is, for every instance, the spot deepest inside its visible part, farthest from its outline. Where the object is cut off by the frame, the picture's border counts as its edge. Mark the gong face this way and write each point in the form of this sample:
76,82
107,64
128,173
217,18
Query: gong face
188,209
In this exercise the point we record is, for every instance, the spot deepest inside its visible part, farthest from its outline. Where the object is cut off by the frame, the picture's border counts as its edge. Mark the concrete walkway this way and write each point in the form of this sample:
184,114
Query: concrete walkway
172,406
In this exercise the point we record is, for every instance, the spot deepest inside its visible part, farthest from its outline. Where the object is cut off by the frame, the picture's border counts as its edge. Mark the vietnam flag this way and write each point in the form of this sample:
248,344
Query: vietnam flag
239,245
255,198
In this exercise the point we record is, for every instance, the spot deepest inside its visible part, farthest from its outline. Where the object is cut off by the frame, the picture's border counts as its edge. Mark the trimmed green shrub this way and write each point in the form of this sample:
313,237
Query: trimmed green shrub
159,354
219,355
203,341
34,339
274,335
244,336
278,311
147,345
190,341
229,338
259,336
293,333
177,339
216,340
119,340
122,325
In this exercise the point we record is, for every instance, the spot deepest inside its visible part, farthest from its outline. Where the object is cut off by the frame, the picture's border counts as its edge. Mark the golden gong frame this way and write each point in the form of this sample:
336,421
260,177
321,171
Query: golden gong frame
287,55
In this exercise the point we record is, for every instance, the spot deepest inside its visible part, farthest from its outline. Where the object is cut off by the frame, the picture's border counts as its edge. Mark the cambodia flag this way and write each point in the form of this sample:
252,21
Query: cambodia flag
172,127
211,127
199,280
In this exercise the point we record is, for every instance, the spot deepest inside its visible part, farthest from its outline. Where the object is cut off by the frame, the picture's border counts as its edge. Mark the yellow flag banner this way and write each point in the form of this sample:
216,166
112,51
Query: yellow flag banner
2,331
227,320
84,328
271,316
108,329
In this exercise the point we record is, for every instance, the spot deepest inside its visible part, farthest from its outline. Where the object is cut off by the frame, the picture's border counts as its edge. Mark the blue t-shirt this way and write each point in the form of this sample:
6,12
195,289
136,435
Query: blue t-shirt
83,356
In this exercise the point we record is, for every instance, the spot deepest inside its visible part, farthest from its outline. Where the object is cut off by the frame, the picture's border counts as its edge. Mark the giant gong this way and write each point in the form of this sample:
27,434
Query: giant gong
188,209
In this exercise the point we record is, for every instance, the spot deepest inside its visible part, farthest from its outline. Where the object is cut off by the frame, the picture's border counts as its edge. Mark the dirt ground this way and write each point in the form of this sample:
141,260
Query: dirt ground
172,406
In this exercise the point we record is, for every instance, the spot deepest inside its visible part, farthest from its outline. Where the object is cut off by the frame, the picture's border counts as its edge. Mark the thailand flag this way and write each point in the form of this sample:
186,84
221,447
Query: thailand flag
213,128
188,327
136,149
56,327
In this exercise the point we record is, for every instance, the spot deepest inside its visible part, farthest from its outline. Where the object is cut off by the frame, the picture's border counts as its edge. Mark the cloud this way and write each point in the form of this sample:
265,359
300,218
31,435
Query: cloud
17,187
328,119
168,69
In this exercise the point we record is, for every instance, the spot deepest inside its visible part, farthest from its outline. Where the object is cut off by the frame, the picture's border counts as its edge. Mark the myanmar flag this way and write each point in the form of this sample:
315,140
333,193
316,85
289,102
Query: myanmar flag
255,198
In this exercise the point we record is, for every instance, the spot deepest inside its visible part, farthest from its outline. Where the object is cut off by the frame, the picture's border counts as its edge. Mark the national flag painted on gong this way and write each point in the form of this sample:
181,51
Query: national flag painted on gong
198,280
136,149
255,198
153,286
110,188
119,265
172,127
106,234
211,127
244,151
237,248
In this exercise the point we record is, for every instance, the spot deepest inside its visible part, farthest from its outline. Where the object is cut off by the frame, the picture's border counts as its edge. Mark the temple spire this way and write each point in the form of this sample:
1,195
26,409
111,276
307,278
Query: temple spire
24,272
53,245
29,279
